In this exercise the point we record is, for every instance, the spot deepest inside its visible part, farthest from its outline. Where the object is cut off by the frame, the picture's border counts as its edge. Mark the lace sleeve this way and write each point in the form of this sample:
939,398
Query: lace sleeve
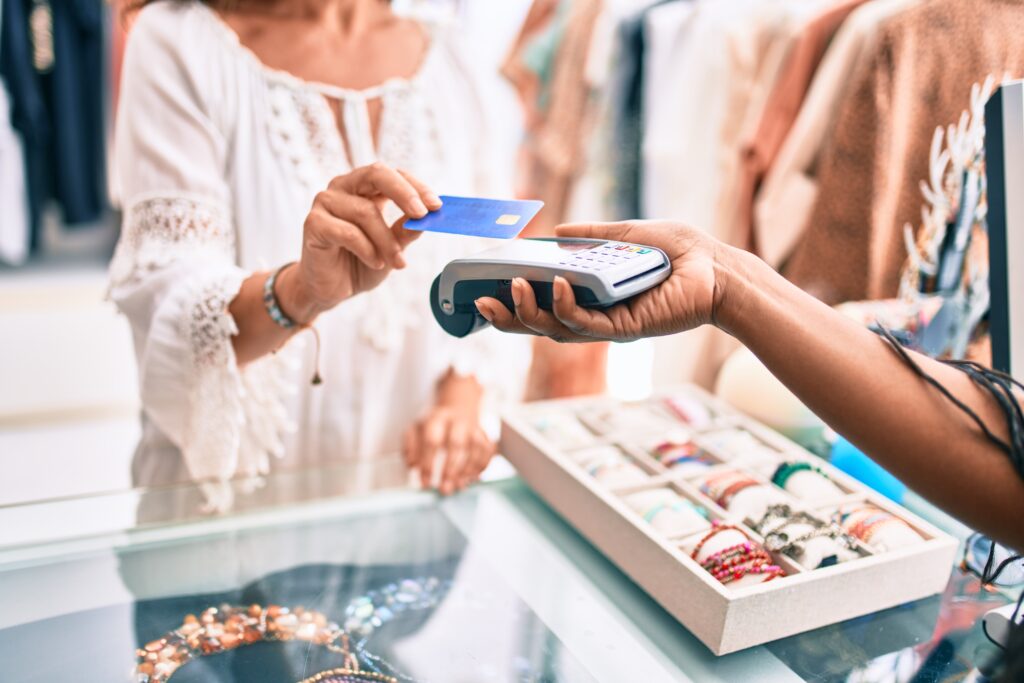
173,275
175,270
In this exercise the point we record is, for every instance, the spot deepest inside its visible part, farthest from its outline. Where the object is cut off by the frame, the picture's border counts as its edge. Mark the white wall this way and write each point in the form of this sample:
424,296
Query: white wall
67,385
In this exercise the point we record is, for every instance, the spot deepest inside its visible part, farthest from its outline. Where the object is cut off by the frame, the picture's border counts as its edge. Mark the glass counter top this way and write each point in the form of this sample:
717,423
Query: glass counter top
498,588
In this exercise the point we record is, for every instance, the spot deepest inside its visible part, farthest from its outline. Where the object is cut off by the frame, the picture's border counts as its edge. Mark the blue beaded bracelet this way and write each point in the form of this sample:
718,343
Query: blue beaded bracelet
270,300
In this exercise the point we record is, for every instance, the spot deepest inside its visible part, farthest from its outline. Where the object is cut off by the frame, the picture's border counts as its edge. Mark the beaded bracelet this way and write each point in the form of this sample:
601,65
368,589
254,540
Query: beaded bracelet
281,320
716,528
732,555
735,482
865,522
671,453
788,469
862,525
774,571
270,300
735,562
873,529
725,499
349,676
850,517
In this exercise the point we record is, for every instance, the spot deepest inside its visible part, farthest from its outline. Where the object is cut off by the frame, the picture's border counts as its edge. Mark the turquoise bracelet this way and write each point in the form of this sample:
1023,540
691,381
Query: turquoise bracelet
676,506
270,300
788,469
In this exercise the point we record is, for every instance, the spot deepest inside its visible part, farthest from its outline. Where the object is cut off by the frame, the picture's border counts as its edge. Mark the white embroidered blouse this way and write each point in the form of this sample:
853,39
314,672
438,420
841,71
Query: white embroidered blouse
216,162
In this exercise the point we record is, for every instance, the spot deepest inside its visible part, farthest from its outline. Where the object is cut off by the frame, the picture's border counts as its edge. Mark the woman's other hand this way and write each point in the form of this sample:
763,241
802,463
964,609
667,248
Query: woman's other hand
450,433
347,248
687,299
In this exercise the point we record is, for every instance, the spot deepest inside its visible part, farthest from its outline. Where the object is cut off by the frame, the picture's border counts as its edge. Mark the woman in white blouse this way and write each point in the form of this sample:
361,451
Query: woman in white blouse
257,133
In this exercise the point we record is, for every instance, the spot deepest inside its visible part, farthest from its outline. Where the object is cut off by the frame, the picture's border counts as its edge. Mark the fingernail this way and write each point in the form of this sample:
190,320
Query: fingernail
399,260
378,264
484,311
556,289
419,208
434,201
517,292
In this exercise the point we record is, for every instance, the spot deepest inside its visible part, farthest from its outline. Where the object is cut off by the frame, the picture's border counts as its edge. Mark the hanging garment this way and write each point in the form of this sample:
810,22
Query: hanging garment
699,89
14,217
29,112
555,147
626,95
54,68
802,55
76,95
217,159
787,194
756,64
560,140
596,188
919,77
528,64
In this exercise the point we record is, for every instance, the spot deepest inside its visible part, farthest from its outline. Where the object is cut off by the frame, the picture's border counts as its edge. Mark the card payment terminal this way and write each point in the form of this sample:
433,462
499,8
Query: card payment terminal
602,273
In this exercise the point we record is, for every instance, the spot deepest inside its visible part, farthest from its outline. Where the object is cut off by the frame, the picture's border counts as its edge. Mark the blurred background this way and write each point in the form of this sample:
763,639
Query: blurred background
790,127
68,386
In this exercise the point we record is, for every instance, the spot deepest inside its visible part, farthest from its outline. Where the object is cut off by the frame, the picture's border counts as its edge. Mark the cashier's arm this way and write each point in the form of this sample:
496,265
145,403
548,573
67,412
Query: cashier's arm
843,372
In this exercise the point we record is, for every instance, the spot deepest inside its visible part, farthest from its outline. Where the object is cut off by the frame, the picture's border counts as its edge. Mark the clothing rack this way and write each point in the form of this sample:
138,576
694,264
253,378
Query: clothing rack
55,111
798,129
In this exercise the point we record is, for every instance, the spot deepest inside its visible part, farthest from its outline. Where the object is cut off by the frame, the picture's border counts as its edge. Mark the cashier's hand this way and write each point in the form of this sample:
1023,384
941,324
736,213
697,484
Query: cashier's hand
687,299
450,435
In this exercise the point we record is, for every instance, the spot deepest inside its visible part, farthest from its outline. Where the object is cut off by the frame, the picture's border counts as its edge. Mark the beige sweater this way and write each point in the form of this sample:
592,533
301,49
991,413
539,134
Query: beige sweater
920,76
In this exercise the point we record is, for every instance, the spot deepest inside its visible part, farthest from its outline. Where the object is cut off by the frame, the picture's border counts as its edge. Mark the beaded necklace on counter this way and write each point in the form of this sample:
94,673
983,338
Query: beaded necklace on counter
369,612
224,628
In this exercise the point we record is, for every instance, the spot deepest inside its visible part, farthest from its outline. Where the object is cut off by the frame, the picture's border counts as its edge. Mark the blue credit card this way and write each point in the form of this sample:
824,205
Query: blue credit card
499,218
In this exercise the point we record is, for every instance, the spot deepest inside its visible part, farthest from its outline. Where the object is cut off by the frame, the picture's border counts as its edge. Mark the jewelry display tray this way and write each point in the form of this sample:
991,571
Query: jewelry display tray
724,618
